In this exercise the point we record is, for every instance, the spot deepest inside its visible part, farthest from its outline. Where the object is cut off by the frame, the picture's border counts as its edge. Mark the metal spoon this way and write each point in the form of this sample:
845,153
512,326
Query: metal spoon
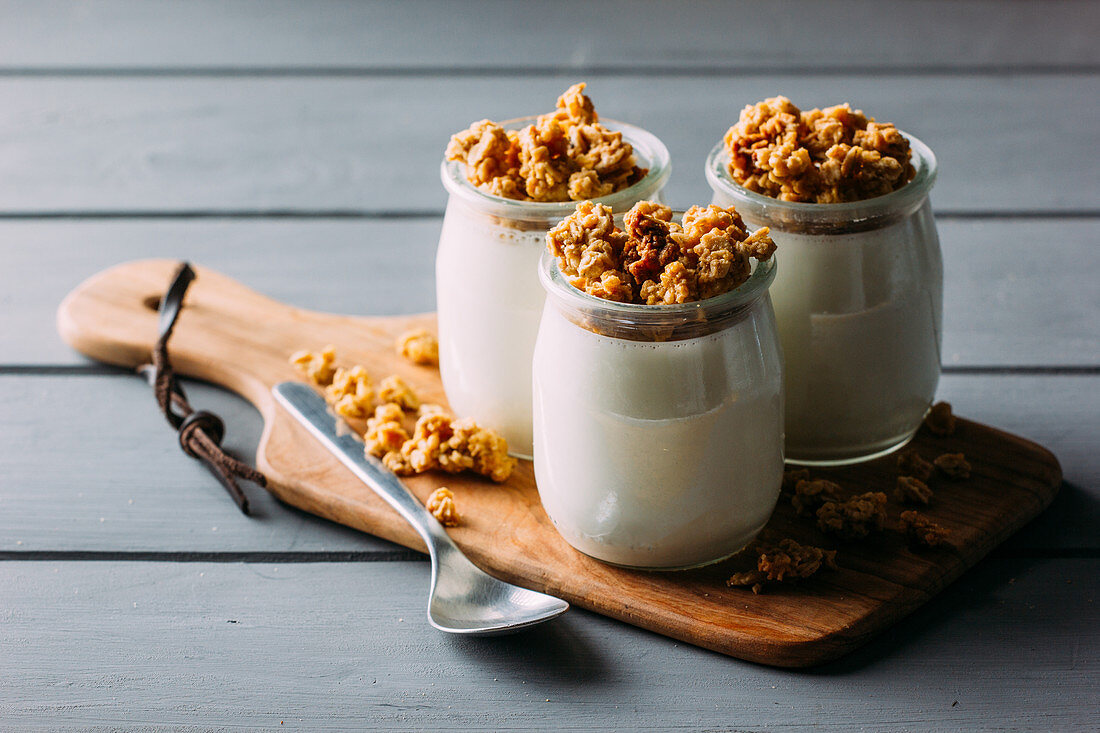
462,598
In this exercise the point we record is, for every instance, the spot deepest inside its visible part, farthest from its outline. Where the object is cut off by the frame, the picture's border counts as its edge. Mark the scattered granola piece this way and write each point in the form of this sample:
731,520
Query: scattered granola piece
953,465
823,156
441,504
792,477
385,432
810,495
910,463
940,420
922,531
419,346
912,491
855,518
394,389
441,442
351,393
316,367
788,561
566,155
653,260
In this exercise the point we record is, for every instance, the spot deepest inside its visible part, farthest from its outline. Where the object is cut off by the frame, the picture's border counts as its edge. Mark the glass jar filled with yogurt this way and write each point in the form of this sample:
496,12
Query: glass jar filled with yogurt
488,297
658,428
859,306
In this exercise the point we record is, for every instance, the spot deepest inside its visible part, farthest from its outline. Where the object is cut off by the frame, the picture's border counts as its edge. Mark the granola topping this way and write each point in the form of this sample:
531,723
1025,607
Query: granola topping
318,367
910,463
922,532
393,389
441,504
567,155
385,431
419,346
786,562
953,465
351,393
820,156
854,518
940,420
912,491
654,260
810,495
439,441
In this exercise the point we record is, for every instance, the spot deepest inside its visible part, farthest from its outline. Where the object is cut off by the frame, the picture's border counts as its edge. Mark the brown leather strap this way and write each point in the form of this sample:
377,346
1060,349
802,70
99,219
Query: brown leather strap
200,432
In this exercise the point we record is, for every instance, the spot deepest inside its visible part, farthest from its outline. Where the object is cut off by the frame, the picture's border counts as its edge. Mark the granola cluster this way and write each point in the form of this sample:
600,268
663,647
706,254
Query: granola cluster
418,346
809,496
921,531
854,518
822,156
785,562
940,420
912,490
438,440
910,463
953,465
441,504
567,155
653,260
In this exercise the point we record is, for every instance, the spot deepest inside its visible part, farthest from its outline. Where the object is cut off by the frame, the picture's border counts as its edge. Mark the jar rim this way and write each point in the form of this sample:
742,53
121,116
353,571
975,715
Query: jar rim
852,215
647,146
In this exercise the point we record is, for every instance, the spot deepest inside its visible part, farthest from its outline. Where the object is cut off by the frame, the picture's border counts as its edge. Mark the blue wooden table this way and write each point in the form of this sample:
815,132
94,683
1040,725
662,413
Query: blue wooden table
295,147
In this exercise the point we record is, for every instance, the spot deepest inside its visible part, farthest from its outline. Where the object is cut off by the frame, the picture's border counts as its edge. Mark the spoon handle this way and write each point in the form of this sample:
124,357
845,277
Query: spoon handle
309,409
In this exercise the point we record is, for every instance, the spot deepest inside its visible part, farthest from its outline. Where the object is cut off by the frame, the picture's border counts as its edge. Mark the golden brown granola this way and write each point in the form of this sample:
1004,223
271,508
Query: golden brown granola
940,420
318,367
385,431
910,463
441,504
351,393
654,260
911,490
810,495
822,156
394,389
953,465
566,155
854,518
921,531
439,441
788,561
419,346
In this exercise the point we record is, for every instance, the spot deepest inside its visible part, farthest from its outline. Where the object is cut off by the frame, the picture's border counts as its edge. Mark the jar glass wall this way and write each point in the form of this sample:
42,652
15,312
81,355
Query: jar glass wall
658,429
859,305
488,297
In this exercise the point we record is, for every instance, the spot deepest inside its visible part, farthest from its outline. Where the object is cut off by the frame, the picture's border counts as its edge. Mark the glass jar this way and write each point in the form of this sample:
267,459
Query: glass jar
658,429
859,304
487,292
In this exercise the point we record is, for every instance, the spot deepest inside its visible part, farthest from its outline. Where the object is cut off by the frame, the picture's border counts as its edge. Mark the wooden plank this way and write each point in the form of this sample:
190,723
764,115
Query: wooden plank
254,144
98,646
52,505
128,34
1005,305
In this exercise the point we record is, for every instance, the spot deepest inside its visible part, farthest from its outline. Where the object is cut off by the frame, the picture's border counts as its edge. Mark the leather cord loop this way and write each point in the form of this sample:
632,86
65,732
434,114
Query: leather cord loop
200,432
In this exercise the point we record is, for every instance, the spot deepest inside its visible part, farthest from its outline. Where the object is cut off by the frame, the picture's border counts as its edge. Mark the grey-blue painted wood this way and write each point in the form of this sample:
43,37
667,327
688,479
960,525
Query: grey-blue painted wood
70,483
1014,644
207,34
232,144
1009,299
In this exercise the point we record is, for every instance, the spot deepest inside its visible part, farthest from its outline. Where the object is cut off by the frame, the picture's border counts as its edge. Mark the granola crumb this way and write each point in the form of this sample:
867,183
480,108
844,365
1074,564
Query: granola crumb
791,478
953,465
418,346
394,389
910,463
854,518
921,531
441,504
786,562
318,367
940,420
654,260
351,393
566,155
912,491
821,156
441,442
385,432
810,495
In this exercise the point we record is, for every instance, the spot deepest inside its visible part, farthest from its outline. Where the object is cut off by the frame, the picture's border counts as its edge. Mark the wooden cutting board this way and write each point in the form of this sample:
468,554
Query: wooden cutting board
239,339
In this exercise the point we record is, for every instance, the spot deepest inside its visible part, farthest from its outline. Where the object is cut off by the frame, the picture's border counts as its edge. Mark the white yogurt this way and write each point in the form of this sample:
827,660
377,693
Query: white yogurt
659,455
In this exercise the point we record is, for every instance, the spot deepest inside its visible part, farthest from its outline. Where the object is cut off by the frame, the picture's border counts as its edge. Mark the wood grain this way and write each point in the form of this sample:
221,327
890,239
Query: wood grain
317,647
254,145
505,530
370,36
1004,305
